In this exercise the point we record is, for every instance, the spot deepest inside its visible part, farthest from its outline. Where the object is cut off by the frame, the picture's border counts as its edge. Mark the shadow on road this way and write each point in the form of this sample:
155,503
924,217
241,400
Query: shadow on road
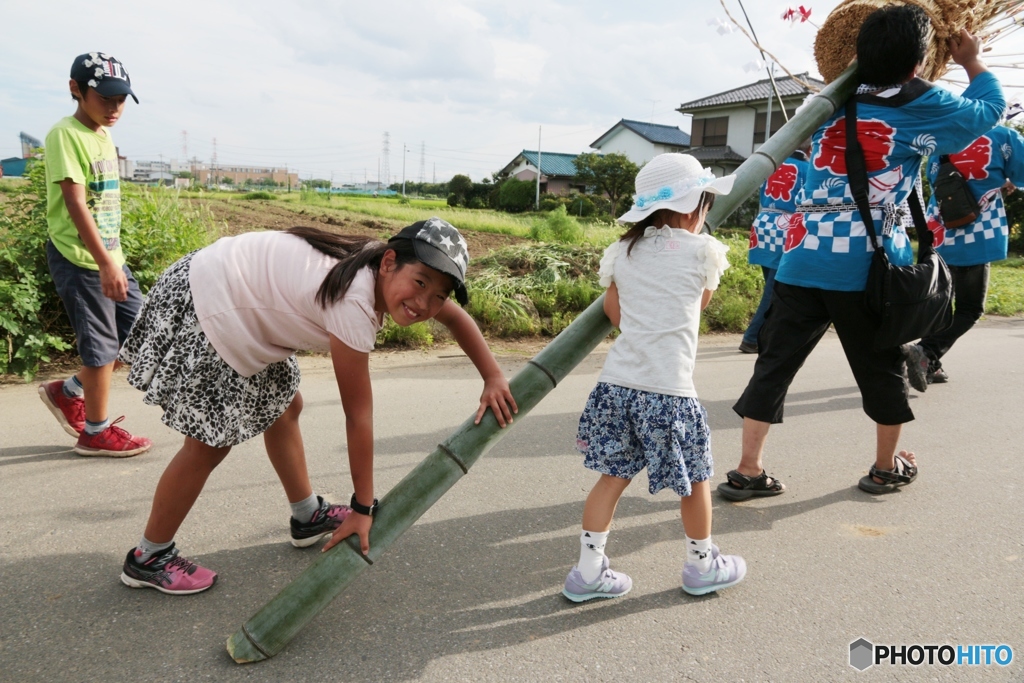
483,582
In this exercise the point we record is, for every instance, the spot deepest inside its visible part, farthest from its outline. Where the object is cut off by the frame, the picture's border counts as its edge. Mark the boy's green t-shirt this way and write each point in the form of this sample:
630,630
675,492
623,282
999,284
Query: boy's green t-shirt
90,159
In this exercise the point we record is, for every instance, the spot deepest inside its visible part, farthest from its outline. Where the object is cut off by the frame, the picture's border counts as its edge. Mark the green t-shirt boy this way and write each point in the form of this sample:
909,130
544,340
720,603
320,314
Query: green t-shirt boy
88,158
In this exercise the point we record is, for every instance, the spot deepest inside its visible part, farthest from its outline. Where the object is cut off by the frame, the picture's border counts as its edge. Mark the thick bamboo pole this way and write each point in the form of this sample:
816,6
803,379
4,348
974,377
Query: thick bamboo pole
271,629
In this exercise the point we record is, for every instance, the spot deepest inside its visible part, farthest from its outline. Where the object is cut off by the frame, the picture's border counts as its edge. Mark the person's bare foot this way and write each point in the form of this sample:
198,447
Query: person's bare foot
905,454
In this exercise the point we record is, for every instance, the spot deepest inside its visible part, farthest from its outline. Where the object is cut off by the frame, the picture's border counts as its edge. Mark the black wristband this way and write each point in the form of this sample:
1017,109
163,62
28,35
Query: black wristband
363,509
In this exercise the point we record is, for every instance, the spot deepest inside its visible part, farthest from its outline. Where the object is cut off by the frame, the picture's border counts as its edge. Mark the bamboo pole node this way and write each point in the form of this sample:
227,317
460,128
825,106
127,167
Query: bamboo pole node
256,645
551,375
451,454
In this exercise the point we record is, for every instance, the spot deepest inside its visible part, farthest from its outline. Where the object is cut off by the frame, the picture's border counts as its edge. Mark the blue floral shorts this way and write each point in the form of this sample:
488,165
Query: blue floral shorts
625,430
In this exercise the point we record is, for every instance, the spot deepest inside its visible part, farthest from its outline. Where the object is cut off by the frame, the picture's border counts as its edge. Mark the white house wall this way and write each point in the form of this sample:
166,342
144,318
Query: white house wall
741,131
635,148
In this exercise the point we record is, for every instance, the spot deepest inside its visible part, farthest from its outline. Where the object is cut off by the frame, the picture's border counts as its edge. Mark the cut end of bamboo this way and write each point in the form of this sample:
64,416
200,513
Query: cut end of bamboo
243,650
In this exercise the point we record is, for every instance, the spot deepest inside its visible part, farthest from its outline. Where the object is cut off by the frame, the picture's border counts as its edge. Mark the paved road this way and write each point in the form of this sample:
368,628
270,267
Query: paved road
471,592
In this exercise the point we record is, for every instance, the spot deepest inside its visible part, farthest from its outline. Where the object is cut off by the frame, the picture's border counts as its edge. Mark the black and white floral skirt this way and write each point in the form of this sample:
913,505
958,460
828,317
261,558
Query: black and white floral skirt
174,363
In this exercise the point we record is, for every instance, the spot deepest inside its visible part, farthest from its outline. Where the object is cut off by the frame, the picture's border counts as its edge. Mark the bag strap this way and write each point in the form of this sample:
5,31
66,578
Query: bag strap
856,171
857,176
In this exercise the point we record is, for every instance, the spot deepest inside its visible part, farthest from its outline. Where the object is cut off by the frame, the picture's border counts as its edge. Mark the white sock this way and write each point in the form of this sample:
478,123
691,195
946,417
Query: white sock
591,554
94,428
73,388
147,549
305,509
698,553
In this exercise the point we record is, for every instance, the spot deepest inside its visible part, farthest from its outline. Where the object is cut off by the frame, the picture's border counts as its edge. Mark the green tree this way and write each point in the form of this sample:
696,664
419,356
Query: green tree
461,186
515,195
611,174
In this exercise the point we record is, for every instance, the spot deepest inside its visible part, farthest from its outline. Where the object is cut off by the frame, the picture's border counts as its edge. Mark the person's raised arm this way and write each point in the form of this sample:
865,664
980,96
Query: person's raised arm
497,396
965,50
112,278
352,370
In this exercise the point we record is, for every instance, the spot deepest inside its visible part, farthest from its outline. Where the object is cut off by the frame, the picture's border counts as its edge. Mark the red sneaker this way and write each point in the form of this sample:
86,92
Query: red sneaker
69,411
112,442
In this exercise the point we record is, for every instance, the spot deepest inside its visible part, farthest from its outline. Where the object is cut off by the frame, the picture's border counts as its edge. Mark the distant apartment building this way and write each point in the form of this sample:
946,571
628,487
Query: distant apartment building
238,175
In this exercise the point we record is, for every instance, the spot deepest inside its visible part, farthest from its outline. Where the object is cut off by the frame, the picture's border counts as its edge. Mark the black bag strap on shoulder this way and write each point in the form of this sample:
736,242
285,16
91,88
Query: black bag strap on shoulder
856,170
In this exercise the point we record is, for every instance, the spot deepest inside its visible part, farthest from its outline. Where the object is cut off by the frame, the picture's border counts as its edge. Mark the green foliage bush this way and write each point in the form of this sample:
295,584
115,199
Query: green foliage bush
558,226
259,194
158,227
738,294
516,196
413,336
477,203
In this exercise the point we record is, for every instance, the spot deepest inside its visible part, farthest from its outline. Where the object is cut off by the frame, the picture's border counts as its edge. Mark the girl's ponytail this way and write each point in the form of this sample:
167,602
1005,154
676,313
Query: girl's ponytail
353,254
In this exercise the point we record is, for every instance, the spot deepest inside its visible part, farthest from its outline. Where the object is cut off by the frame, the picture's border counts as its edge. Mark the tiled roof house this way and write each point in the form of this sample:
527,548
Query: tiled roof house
558,170
640,142
728,126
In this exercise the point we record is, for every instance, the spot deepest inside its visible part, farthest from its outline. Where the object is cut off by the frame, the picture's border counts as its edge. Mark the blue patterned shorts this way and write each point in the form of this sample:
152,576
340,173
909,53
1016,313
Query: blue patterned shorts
625,430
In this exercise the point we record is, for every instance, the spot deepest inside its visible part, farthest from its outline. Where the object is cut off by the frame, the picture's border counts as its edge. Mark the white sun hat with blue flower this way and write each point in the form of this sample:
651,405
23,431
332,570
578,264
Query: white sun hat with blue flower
675,182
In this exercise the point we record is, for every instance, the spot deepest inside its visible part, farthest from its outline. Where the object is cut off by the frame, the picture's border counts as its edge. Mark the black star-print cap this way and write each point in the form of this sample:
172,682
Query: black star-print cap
438,244
102,73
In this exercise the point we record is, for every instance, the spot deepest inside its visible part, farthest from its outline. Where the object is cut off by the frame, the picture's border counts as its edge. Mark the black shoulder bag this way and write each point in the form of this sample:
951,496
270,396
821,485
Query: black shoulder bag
957,205
909,302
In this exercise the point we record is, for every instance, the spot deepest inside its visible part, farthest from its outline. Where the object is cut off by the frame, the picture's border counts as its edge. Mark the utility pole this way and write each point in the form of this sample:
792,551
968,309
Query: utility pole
537,201
404,151
423,162
378,174
386,167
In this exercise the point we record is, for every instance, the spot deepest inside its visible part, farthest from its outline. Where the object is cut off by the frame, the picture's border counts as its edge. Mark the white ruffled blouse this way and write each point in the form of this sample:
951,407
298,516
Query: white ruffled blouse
660,286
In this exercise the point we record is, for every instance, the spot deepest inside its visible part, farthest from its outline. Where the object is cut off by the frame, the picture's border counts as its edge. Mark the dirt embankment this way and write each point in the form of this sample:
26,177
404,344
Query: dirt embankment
246,216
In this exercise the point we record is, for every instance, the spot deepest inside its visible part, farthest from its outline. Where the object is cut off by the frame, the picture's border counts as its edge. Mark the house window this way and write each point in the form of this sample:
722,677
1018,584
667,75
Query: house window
778,121
712,132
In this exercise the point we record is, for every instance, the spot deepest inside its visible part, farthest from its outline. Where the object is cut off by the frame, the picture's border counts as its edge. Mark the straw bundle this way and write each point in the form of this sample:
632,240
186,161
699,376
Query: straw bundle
836,43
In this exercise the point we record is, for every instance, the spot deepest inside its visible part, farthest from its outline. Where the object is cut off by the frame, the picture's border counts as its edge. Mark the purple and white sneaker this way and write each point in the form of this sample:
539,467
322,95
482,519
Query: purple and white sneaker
168,572
609,584
325,520
726,571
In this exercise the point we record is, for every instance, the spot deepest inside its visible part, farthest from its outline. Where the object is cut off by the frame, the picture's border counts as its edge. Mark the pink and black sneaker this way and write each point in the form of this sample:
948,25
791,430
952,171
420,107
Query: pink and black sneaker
69,410
167,572
325,520
112,442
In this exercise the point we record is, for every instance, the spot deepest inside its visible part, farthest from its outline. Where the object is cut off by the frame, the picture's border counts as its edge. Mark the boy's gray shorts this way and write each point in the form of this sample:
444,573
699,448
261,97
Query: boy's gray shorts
101,325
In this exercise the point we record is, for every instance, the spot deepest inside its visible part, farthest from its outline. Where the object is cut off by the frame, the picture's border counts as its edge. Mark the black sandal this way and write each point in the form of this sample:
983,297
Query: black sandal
741,487
900,475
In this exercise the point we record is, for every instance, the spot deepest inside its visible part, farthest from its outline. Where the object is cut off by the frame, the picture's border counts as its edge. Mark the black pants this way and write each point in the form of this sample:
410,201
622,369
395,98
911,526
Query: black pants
797,319
970,288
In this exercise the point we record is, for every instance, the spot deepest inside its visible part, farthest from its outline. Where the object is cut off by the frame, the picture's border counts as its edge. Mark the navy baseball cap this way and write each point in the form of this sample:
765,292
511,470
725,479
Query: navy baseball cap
102,73
438,244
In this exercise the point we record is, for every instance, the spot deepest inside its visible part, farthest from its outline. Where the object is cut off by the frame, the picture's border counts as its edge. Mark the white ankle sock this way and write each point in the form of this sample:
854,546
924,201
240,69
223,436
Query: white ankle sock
305,509
147,549
93,428
698,553
73,388
591,554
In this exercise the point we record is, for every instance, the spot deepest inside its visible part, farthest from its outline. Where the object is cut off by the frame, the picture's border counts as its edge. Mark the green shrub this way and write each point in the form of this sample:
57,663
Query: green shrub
413,336
516,196
558,226
502,316
549,202
738,294
259,194
158,227
453,200
477,203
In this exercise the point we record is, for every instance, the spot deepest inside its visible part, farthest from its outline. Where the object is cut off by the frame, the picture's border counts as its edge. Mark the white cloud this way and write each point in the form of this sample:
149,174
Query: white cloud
316,84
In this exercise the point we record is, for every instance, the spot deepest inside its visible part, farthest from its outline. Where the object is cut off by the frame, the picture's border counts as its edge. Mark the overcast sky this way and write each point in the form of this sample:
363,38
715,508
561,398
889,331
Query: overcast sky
316,85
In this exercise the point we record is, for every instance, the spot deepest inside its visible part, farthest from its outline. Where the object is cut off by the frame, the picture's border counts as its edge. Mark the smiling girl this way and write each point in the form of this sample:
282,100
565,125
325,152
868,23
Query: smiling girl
214,346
